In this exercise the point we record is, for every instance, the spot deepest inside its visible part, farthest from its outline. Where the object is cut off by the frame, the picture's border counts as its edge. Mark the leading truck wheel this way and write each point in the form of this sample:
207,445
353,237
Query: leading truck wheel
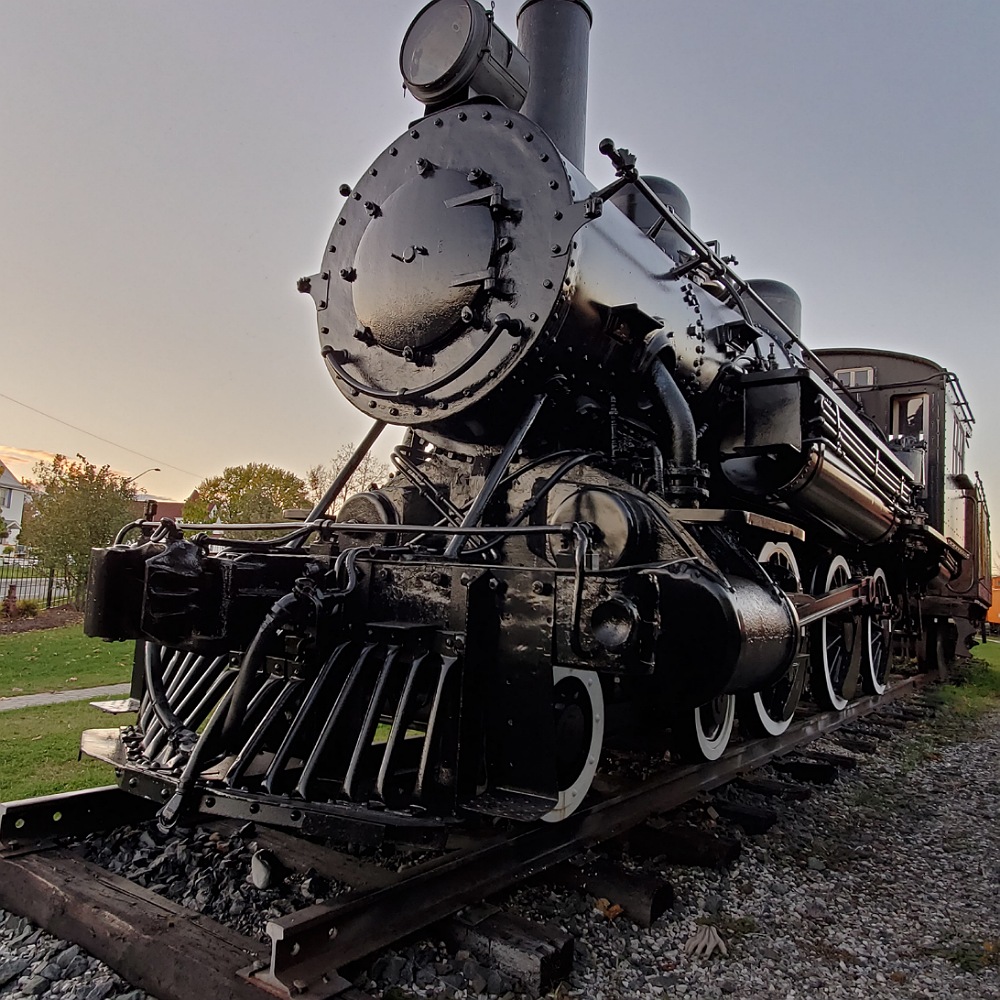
833,640
703,734
578,706
769,712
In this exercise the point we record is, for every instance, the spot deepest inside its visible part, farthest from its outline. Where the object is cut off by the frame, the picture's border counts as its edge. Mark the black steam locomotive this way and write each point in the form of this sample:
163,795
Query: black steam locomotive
629,500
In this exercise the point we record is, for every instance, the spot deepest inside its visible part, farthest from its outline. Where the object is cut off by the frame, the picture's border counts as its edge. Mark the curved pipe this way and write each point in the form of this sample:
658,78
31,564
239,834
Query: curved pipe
333,359
167,817
243,689
680,440
169,719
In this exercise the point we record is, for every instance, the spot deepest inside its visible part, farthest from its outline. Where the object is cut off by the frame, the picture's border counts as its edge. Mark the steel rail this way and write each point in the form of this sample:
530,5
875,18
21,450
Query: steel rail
310,946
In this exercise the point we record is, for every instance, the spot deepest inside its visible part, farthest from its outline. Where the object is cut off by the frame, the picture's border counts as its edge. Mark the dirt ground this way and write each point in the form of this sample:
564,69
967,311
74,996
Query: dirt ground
52,618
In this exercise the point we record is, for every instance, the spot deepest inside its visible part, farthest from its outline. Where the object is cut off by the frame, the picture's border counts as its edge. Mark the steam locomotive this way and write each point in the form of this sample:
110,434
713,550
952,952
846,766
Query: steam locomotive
629,501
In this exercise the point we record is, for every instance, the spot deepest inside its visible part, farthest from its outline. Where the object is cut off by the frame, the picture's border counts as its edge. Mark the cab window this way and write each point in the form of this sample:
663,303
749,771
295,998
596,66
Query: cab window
910,415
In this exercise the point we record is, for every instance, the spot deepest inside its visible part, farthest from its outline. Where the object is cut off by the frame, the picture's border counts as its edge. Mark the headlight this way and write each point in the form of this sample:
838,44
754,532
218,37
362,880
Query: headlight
454,47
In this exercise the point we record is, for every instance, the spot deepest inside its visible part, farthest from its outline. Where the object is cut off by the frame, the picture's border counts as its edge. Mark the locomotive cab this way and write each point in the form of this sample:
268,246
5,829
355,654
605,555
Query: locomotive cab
922,411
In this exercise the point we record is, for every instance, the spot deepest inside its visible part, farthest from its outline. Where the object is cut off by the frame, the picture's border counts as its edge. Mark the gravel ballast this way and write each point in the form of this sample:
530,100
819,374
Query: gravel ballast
883,884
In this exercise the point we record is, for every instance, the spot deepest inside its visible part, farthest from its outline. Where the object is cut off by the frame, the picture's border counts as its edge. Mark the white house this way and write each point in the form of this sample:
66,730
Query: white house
12,497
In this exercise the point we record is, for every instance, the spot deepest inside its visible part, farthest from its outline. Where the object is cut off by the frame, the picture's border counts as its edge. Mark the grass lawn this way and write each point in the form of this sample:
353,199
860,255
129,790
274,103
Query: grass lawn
977,689
990,652
60,659
39,747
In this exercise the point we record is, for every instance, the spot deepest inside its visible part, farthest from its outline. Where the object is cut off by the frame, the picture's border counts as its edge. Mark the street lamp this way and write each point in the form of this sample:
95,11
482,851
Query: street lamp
134,478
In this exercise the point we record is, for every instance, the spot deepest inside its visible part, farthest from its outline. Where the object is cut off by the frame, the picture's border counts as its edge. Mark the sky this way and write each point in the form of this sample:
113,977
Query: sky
169,169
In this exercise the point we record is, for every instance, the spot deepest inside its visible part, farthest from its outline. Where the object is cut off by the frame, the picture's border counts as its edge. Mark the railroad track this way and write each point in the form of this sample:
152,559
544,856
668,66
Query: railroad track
176,953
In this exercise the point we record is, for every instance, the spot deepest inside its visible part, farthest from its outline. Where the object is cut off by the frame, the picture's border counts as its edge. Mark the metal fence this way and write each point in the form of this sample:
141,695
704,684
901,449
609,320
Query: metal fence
34,583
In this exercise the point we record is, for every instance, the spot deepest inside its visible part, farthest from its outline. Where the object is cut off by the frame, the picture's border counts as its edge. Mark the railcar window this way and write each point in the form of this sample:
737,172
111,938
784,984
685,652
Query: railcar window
909,415
958,442
856,378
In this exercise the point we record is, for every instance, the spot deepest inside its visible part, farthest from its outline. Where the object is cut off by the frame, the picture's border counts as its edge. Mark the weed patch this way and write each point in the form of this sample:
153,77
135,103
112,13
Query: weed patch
731,926
971,956
917,750
976,689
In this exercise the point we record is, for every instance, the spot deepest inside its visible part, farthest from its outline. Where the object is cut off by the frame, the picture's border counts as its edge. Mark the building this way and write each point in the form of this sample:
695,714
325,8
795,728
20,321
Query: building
164,508
993,614
12,499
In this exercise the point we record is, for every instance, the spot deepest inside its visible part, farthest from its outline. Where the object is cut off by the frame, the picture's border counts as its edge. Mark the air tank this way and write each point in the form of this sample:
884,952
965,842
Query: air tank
785,302
641,212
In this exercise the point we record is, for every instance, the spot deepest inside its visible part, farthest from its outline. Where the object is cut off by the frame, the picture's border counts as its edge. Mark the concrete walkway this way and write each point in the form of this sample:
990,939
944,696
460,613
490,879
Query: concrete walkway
56,697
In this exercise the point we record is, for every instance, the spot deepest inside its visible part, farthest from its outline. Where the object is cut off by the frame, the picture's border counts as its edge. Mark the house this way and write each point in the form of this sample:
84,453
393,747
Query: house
12,498
161,508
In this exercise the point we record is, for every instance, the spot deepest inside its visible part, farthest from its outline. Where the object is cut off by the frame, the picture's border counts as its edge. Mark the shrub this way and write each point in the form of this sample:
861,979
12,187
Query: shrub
26,608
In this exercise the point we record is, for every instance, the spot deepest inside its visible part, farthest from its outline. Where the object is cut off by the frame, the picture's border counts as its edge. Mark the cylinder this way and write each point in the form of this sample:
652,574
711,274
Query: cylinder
555,36
719,635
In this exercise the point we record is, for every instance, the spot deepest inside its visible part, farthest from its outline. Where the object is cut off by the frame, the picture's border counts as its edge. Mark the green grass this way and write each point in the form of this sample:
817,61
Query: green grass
990,652
977,689
39,748
60,659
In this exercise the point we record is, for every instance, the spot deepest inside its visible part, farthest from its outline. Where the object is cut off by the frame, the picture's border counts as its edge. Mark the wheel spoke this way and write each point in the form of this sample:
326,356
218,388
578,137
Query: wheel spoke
876,633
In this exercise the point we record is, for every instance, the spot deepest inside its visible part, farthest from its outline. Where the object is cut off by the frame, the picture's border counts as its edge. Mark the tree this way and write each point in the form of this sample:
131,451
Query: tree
372,471
75,506
246,494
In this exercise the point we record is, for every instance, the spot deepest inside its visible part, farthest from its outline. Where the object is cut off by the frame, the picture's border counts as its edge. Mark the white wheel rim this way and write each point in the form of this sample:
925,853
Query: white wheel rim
838,567
713,745
569,799
775,552
877,643
770,725
780,552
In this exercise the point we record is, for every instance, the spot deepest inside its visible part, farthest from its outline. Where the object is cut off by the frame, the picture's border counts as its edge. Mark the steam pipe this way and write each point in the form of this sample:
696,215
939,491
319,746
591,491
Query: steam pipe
169,719
555,36
680,440
246,681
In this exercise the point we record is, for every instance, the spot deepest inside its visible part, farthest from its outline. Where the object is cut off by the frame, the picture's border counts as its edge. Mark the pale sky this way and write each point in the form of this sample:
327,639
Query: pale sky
169,169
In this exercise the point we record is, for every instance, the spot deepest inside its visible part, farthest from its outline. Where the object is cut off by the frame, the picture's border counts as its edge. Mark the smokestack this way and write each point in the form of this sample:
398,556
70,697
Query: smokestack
555,36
